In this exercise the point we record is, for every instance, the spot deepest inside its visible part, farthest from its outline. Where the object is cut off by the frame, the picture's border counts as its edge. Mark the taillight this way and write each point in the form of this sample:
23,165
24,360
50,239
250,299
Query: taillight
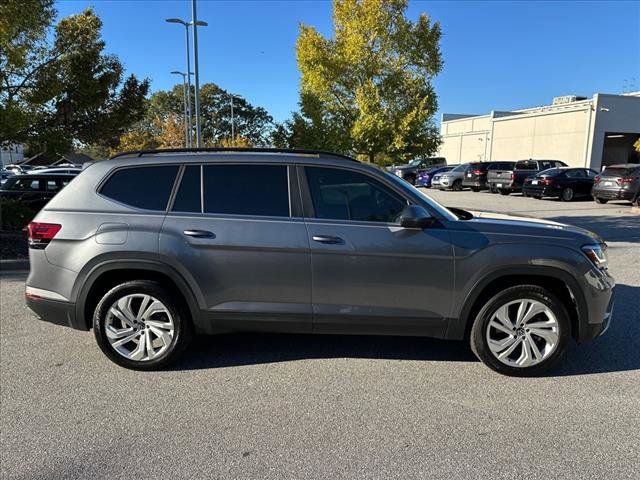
477,172
597,179
626,180
547,181
511,175
40,234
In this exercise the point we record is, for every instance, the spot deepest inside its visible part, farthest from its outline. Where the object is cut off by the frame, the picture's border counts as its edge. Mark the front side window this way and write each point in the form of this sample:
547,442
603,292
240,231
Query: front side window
257,190
142,187
346,195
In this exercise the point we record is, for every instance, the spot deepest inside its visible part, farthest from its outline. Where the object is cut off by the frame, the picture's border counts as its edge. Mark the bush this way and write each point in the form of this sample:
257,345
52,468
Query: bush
14,215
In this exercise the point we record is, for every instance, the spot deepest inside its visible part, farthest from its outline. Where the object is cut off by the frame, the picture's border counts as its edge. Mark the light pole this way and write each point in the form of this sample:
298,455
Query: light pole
187,123
188,50
196,23
233,135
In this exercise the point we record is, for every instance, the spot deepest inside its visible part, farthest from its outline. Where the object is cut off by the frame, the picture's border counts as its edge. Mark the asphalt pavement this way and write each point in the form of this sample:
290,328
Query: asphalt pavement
293,406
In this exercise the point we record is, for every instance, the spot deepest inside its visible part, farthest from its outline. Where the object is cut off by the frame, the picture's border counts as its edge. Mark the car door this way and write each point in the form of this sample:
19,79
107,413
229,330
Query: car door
233,230
369,275
577,179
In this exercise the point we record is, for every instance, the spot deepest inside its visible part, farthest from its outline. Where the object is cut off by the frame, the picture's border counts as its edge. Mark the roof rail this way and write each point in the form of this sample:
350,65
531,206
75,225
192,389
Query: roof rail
140,153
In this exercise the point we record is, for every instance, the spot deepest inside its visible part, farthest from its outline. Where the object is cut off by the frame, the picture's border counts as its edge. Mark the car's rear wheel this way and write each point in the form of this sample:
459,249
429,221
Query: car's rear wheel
601,200
475,189
504,191
521,331
567,194
139,325
493,189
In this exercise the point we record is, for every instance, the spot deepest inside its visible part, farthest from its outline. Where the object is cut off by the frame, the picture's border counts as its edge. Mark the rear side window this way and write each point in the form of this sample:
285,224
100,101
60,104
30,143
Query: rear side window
188,196
575,173
259,190
527,165
142,187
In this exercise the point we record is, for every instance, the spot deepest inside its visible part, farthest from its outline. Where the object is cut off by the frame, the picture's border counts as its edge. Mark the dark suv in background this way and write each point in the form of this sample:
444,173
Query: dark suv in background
476,175
511,180
150,247
618,182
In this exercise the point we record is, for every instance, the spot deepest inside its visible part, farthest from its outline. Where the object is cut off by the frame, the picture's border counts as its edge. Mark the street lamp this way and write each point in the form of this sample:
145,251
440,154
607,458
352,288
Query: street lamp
187,113
186,30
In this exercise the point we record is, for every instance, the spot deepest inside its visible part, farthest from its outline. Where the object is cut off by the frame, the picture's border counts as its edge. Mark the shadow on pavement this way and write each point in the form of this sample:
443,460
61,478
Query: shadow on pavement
237,349
616,351
621,228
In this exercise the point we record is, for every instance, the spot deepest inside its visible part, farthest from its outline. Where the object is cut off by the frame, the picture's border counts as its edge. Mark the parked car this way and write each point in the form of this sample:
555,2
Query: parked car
18,169
453,178
475,176
148,248
565,183
409,172
35,190
425,177
618,182
43,171
507,181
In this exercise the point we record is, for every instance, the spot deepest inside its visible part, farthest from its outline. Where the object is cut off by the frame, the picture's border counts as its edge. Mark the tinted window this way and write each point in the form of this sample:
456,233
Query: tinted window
25,184
141,187
526,165
617,172
591,173
246,190
188,196
551,172
575,173
346,195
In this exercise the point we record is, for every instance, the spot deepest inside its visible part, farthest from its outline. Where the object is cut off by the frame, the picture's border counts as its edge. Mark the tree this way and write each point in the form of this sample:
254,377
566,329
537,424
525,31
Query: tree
64,92
369,88
252,123
636,145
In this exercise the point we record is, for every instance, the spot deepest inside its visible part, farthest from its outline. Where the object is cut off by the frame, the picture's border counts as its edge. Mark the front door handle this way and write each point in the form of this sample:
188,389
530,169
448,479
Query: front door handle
199,233
328,239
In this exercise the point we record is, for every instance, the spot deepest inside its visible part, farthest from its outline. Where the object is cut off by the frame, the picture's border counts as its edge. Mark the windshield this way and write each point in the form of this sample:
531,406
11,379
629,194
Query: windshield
550,172
444,211
416,162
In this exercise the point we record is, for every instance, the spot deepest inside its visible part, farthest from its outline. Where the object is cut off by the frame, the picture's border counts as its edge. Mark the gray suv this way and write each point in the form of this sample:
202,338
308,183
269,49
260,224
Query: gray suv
150,247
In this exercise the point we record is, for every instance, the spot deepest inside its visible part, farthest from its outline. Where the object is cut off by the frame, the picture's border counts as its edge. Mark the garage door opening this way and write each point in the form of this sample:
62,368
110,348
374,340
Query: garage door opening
618,148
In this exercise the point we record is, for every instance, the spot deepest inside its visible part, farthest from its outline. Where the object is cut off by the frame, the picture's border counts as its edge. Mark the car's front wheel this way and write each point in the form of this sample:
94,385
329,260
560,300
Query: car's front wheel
521,331
140,325
567,194
601,200
504,191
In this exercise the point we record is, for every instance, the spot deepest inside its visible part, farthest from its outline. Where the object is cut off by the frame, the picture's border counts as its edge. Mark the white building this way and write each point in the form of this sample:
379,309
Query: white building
11,153
582,132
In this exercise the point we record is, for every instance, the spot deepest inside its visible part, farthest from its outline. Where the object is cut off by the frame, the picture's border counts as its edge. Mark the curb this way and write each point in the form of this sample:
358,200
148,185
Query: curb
16,264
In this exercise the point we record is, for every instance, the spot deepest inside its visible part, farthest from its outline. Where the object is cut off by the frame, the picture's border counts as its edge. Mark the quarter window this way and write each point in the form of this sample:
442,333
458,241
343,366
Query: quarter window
259,190
346,195
142,187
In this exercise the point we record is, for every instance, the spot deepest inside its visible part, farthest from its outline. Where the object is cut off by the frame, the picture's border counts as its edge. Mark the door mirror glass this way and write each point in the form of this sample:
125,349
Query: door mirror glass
415,216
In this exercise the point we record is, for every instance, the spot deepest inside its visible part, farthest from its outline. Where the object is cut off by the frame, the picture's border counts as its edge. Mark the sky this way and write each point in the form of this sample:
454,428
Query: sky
497,55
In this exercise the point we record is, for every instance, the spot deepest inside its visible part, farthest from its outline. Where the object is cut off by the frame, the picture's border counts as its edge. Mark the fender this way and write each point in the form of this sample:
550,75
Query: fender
145,262
458,325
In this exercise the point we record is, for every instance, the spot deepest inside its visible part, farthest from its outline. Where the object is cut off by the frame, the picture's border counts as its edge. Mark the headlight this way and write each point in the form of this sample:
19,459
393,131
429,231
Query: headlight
597,254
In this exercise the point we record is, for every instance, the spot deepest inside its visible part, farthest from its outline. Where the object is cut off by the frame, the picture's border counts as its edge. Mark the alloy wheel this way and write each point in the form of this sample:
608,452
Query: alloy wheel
567,194
523,333
139,327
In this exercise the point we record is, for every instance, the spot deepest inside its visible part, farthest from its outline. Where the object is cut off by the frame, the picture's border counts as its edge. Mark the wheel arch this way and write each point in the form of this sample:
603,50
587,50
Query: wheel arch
92,285
557,281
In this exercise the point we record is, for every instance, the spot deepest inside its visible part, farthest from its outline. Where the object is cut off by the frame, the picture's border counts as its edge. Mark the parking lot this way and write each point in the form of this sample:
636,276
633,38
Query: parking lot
296,406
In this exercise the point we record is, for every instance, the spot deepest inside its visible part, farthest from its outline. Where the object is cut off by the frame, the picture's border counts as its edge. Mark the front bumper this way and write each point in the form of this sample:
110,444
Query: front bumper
599,296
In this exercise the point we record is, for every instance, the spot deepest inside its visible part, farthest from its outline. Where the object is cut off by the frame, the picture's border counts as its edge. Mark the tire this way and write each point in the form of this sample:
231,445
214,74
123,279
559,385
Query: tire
601,201
636,202
457,185
411,179
475,189
567,194
166,343
537,197
550,348
493,189
504,191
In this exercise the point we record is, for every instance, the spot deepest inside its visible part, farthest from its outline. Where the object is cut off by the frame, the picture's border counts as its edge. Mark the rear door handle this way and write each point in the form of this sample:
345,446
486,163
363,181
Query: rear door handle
199,233
328,239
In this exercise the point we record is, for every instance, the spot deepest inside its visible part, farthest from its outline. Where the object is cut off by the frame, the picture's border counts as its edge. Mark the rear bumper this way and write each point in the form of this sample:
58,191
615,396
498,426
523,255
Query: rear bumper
613,194
474,182
506,184
54,311
546,191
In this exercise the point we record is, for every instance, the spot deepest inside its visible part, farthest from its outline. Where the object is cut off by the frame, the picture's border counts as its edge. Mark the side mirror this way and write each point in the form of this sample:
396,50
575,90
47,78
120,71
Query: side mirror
415,216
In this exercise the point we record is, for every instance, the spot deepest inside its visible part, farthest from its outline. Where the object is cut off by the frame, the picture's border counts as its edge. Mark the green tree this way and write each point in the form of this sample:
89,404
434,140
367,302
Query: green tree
63,92
368,89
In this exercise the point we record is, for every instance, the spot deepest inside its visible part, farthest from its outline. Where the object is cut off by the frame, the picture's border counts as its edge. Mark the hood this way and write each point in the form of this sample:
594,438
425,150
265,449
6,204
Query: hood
489,222
404,166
